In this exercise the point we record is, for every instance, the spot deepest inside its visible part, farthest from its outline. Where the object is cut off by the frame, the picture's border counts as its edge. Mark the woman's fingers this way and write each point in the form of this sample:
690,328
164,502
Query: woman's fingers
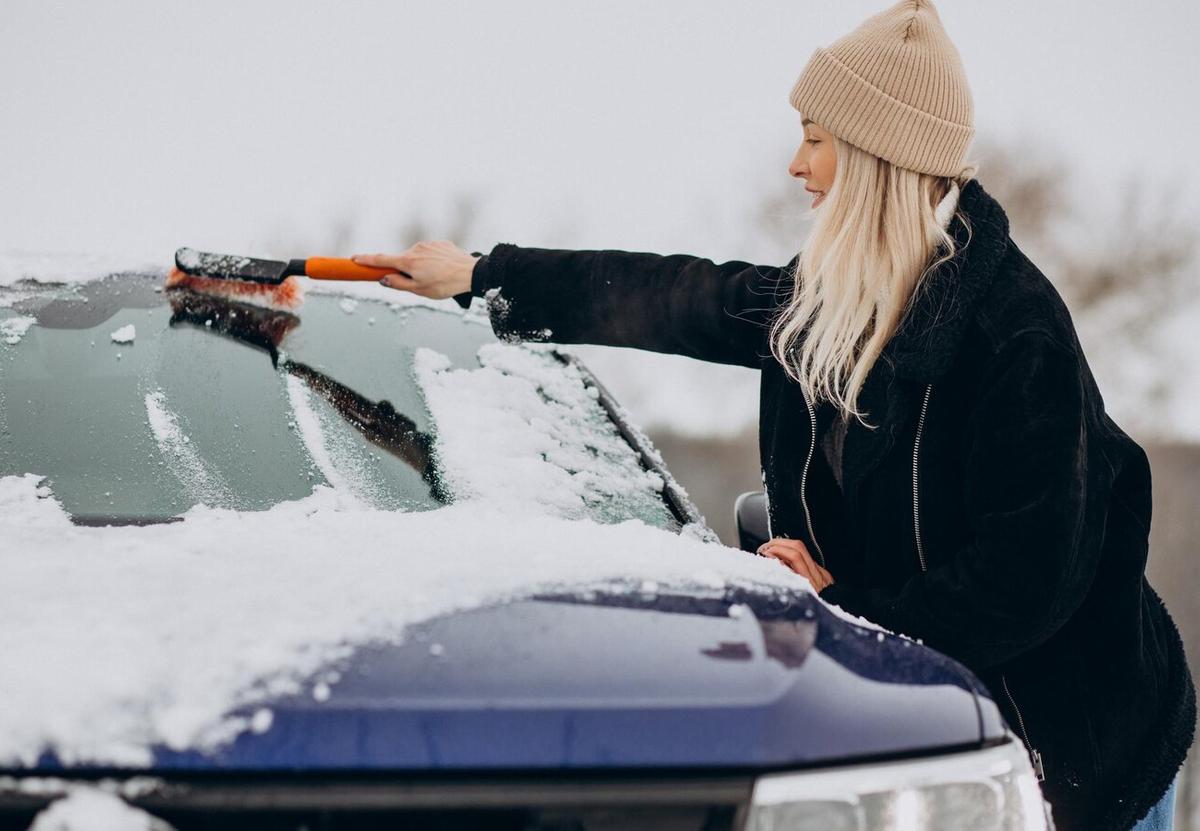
818,576
398,281
794,554
778,554
789,556
432,268
791,547
380,260
797,566
811,566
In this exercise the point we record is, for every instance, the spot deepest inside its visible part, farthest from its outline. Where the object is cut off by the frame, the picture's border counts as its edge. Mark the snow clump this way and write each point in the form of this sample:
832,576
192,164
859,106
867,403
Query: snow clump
12,329
93,809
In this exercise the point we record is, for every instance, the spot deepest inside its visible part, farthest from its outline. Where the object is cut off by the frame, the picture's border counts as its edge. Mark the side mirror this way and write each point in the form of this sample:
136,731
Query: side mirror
750,510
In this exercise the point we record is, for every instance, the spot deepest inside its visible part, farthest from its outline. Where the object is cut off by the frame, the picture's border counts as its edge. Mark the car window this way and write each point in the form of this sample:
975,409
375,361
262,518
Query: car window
138,404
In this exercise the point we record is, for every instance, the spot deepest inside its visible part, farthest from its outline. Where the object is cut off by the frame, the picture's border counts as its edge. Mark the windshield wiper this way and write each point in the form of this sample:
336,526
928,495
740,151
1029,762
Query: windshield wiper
377,421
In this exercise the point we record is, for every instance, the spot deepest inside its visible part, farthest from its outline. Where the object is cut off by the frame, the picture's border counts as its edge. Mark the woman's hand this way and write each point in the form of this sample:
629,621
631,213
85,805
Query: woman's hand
794,555
432,268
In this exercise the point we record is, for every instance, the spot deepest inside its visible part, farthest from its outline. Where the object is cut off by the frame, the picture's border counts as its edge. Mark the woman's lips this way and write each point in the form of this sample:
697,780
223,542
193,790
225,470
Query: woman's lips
820,194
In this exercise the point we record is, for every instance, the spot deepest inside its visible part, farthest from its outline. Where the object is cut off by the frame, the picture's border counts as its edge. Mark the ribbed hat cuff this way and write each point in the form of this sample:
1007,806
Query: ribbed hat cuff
855,110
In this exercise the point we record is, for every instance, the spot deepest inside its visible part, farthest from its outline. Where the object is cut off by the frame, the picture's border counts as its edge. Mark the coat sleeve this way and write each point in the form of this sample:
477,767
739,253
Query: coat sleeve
1032,497
677,303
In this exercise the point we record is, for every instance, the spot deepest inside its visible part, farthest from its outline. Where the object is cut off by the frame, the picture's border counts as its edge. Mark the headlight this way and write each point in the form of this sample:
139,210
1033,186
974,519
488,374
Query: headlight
986,790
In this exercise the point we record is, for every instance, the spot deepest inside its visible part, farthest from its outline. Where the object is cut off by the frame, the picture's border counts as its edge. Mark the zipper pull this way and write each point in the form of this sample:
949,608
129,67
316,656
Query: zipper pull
767,501
1037,765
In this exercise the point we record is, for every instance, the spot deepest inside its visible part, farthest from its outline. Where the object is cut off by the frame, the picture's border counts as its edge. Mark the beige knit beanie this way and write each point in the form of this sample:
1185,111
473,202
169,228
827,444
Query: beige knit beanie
894,87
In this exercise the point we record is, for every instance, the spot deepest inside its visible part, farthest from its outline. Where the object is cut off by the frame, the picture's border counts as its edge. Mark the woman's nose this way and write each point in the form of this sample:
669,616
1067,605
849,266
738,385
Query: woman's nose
797,168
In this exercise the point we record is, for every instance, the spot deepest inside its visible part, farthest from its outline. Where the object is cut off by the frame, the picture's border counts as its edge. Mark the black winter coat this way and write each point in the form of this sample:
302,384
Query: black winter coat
997,513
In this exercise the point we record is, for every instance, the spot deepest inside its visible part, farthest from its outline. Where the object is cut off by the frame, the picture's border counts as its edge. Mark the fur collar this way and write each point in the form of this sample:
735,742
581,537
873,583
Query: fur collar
945,208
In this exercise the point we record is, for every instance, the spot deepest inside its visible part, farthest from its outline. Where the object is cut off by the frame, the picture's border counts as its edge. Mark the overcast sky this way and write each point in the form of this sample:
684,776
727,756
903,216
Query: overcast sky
243,127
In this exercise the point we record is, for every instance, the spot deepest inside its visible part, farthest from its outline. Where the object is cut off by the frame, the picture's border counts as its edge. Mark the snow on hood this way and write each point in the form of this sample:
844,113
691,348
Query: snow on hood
118,639
94,809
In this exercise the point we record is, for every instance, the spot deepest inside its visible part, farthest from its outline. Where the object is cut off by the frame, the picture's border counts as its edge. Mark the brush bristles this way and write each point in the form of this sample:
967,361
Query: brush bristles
286,295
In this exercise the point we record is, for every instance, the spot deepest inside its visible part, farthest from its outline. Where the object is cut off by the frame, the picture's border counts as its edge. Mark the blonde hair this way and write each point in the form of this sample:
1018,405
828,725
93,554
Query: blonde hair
859,274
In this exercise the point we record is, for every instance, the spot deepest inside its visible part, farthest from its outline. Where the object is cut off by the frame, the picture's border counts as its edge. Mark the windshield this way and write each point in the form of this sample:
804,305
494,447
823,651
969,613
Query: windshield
137,404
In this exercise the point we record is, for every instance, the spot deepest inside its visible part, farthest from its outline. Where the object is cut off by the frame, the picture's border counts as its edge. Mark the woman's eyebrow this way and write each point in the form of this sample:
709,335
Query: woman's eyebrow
806,122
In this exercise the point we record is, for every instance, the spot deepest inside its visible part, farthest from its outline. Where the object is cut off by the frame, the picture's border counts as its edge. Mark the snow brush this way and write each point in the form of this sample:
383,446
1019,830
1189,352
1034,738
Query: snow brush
261,282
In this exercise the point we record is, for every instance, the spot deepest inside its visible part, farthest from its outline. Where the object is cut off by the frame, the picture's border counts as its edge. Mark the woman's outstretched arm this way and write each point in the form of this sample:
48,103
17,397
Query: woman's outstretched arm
676,303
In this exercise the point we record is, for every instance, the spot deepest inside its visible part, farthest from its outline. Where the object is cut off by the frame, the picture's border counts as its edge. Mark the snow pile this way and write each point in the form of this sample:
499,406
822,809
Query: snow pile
348,305
121,638
125,334
93,809
12,329
67,268
24,275
525,429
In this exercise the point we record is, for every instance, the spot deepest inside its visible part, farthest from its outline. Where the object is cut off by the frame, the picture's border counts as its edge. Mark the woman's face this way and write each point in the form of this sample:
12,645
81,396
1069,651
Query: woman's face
815,161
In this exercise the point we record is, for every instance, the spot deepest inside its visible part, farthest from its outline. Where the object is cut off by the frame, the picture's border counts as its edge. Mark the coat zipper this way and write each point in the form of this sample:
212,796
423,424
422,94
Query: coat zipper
1034,755
812,418
767,503
1037,757
916,490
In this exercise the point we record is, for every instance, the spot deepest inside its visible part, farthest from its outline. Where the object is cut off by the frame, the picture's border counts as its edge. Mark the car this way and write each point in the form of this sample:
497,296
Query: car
362,564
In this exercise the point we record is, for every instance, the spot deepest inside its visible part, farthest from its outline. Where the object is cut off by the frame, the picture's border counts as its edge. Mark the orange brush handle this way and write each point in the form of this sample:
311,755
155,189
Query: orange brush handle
334,268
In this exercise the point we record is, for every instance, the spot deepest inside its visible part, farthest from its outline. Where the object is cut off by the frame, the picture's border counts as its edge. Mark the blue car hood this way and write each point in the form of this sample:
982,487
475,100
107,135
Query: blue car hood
620,680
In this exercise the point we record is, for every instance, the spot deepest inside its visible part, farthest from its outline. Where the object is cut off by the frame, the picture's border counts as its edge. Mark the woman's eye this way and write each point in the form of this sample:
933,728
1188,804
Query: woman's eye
814,141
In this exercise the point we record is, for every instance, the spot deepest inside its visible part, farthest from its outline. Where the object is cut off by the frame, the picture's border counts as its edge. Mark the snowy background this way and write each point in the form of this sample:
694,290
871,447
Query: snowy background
285,129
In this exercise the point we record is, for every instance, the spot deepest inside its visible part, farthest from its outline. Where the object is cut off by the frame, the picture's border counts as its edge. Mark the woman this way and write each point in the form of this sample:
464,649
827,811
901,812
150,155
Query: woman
935,451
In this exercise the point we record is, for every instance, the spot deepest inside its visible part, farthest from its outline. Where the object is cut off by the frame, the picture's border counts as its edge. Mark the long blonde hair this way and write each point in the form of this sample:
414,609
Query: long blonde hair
864,262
